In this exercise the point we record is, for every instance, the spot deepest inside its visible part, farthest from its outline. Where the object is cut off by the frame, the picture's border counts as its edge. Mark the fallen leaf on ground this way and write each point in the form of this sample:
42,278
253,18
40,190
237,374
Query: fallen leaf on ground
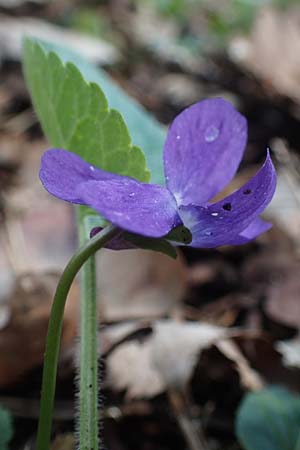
22,340
163,360
7,274
263,355
39,230
112,335
165,45
12,31
250,379
130,368
273,50
64,441
282,298
139,283
179,89
285,206
290,351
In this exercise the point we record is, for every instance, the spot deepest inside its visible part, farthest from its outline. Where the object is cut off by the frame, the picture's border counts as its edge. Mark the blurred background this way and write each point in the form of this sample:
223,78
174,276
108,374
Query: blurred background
181,341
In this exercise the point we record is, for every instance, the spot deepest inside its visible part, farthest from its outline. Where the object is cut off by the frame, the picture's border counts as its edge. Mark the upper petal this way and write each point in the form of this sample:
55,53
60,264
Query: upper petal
146,209
204,147
221,223
62,171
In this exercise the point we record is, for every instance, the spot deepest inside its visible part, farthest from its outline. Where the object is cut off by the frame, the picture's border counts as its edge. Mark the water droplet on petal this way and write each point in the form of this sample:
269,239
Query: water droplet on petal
178,137
132,194
208,233
215,214
92,168
211,133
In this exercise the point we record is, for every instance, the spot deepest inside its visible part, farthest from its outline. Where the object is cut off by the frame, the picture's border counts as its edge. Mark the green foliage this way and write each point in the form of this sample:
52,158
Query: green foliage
269,420
219,20
172,7
74,114
86,20
145,131
6,428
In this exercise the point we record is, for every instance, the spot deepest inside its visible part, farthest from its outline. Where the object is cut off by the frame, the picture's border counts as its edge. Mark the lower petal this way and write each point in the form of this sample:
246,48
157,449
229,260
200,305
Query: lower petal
146,209
62,171
235,217
257,227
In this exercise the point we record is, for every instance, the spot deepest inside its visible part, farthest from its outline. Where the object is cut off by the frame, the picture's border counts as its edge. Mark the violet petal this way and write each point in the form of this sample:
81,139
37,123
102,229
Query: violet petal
116,243
146,209
220,223
61,171
257,227
204,147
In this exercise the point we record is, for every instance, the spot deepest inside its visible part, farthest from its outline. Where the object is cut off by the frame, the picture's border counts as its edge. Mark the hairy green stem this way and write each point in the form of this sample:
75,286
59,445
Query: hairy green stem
88,375
88,367
55,328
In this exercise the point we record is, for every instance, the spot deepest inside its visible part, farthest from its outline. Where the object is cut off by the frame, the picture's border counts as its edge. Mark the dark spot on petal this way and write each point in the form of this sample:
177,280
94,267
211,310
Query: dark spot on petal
227,206
247,191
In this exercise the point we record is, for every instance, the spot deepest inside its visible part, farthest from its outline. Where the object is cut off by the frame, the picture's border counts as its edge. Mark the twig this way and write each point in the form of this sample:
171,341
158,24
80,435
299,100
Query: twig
194,437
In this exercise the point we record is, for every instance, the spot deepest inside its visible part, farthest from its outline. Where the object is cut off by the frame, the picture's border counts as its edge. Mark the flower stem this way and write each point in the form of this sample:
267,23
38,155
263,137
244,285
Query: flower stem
88,375
88,372
55,328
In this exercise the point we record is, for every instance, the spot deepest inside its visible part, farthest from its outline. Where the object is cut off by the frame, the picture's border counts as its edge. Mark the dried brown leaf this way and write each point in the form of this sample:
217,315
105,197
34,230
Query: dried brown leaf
13,29
273,50
282,304
250,379
164,360
22,340
139,283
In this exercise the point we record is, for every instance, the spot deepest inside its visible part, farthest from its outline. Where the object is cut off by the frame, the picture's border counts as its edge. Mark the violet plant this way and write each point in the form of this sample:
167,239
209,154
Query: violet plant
96,166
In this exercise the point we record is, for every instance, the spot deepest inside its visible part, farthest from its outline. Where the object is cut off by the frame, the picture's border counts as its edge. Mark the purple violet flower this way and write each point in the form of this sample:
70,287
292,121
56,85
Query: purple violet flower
203,150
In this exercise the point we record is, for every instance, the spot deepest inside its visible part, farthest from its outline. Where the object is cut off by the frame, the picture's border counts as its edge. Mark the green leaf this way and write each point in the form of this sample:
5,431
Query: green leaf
74,114
6,428
269,420
145,131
